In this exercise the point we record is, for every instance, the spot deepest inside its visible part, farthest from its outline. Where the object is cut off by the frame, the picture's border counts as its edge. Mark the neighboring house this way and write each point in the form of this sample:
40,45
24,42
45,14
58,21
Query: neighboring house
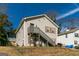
70,37
37,30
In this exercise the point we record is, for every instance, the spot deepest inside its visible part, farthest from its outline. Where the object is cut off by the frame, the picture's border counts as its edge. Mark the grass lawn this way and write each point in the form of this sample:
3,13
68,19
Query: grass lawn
38,51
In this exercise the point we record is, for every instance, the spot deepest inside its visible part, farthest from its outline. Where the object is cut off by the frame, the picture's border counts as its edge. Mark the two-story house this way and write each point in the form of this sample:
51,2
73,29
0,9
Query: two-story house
37,30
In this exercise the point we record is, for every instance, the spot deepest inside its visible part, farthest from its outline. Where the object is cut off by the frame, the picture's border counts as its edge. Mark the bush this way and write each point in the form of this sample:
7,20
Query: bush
76,47
59,44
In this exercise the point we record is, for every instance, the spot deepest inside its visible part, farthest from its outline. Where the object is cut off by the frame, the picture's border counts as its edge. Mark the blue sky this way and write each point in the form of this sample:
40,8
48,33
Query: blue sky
17,11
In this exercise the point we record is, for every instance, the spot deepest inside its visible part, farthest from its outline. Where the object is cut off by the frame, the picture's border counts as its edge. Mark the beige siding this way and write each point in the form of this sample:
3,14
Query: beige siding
26,34
20,36
41,23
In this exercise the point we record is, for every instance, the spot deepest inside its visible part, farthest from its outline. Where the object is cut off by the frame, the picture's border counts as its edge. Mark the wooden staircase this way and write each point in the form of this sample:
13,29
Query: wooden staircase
37,33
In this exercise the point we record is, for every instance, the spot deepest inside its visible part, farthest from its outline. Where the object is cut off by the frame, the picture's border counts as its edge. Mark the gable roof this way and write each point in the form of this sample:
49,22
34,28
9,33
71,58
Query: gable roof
35,17
67,32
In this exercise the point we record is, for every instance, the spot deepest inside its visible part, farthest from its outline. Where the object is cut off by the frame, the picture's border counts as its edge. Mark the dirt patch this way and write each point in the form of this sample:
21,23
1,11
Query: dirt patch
38,51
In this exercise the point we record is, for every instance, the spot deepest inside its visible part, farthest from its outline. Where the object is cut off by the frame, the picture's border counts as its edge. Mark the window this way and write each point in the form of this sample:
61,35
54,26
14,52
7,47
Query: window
50,29
31,27
31,24
47,29
75,42
66,35
76,35
53,30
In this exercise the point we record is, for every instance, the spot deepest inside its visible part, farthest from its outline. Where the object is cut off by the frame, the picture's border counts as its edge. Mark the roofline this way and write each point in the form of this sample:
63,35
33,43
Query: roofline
51,21
42,15
68,32
19,26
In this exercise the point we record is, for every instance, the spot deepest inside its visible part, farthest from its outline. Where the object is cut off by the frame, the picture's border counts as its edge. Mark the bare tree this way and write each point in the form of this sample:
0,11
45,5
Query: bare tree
52,15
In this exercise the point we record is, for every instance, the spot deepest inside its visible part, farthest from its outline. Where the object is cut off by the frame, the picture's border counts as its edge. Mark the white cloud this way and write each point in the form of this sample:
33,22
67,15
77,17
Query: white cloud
67,14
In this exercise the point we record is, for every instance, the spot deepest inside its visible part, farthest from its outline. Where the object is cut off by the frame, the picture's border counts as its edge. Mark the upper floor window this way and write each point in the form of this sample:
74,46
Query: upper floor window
31,27
50,29
76,35
66,35
47,29
22,27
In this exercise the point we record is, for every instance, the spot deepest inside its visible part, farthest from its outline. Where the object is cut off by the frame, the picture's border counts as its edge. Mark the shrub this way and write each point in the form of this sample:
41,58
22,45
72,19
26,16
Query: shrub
59,44
76,47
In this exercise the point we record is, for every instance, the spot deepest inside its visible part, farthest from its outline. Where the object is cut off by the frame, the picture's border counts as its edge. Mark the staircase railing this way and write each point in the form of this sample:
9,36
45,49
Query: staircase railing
38,30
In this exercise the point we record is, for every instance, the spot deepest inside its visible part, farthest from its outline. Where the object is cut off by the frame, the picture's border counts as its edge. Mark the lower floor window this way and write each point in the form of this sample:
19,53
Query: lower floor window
76,34
75,42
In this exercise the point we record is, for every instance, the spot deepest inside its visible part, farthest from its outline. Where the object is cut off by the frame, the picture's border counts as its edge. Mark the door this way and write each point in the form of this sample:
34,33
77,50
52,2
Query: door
31,27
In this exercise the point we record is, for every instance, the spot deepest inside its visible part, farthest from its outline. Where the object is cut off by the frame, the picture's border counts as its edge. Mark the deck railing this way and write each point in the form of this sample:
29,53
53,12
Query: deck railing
44,35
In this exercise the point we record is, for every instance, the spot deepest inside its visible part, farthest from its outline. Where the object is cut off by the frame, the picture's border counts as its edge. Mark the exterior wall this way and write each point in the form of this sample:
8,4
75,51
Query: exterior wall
77,38
41,23
20,36
26,25
66,41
